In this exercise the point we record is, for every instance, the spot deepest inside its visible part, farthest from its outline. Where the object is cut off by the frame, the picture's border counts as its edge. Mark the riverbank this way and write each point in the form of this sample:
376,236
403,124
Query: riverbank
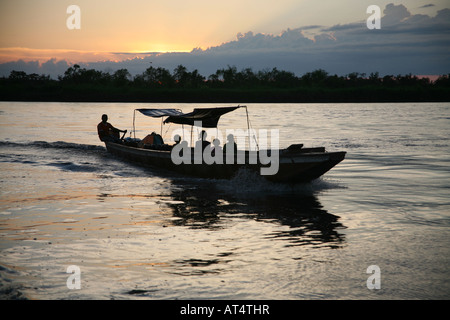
225,86
99,93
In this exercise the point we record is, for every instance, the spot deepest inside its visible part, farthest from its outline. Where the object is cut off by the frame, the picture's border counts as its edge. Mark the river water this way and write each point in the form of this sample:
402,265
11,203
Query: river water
138,233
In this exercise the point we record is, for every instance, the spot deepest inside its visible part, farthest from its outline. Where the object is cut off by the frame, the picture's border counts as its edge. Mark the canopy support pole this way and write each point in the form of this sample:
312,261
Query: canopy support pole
248,127
134,127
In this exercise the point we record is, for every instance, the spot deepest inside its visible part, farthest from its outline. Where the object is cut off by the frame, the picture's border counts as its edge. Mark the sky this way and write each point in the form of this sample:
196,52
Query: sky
294,35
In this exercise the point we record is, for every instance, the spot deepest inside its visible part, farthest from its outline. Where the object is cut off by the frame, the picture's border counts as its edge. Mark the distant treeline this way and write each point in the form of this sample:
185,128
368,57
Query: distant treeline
225,85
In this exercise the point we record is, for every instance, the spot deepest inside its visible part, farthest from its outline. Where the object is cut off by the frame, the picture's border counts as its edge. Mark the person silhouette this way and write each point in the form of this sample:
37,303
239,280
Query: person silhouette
231,146
106,132
217,149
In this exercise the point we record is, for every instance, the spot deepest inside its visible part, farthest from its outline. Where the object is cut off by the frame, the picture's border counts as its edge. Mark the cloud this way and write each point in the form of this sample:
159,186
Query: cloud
427,6
51,67
394,14
406,43
289,39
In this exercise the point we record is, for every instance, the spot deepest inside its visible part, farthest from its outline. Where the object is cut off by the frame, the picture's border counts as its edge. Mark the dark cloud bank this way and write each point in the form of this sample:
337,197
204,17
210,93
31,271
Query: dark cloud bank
416,44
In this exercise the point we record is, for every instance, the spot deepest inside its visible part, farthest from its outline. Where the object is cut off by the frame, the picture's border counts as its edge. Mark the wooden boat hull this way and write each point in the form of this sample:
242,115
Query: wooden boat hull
294,166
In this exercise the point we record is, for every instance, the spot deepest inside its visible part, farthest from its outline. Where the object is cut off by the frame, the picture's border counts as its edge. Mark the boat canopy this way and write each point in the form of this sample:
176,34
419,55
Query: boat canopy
208,116
157,113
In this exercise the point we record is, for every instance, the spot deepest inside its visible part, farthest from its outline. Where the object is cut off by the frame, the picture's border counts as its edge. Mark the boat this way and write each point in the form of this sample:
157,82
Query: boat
294,163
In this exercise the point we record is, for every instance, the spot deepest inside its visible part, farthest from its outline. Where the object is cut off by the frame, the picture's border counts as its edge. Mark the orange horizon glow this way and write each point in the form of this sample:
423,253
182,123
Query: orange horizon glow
73,56
37,30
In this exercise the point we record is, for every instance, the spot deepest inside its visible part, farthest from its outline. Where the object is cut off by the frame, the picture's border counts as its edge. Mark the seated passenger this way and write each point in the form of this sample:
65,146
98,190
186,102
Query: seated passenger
177,139
201,142
152,140
217,149
230,146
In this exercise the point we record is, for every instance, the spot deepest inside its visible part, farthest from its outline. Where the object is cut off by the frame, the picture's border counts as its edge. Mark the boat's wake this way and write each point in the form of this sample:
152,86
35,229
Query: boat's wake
60,145
248,183
66,156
